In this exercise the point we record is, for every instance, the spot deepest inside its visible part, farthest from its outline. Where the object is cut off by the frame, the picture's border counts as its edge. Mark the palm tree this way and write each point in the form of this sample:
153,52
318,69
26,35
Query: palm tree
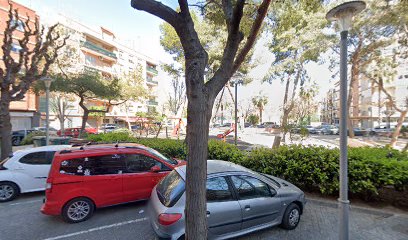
260,102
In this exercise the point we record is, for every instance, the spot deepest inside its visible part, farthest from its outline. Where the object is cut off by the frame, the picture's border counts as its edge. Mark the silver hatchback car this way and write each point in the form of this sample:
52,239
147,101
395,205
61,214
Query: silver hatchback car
239,201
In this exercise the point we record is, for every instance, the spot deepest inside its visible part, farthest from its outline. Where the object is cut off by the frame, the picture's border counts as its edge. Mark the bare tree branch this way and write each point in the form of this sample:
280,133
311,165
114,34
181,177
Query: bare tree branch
158,9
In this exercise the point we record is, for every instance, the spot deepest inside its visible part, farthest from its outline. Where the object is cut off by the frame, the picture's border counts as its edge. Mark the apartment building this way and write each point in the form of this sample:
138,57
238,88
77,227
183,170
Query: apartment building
24,112
99,50
374,109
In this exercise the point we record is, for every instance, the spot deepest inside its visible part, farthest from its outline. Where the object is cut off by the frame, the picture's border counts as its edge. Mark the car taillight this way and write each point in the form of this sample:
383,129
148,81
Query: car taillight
169,218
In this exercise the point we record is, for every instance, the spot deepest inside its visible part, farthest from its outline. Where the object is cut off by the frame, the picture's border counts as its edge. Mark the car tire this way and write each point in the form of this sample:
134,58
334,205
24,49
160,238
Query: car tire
8,191
15,141
291,217
78,210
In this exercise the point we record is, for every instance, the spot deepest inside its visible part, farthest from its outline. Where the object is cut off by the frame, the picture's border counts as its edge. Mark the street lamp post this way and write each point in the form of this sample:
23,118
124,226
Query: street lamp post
343,15
236,82
47,82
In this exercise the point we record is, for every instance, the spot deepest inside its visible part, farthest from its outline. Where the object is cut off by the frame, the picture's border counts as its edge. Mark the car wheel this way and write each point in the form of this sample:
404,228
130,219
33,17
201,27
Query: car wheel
15,141
291,217
78,210
8,191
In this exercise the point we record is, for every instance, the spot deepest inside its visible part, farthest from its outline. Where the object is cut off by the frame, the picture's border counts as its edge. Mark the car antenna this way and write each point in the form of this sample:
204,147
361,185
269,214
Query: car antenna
117,144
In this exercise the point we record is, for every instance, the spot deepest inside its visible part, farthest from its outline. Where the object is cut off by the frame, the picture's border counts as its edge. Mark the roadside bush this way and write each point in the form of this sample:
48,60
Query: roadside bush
29,138
316,168
312,168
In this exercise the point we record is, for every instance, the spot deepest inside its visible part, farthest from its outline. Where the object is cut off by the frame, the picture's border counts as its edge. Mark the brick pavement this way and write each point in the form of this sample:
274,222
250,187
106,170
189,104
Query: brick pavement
320,221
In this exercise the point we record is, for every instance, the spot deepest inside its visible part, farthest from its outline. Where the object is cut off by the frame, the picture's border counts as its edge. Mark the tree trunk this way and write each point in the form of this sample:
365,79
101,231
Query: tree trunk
5,125
84,120
396,133
349,121
199,110
260,115
405,148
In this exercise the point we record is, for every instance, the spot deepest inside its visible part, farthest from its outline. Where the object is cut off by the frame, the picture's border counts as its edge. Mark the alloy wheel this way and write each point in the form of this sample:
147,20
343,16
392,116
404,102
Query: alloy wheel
294,217
79,210
6,192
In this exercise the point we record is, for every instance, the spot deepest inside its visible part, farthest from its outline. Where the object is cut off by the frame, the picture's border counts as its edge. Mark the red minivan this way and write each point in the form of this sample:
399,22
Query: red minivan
83,179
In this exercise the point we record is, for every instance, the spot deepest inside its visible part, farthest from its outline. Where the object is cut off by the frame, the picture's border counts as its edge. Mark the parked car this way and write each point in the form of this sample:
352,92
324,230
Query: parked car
86,178
247,125
239,201
51,130
26,171
74,132
18,136
361,132
330,130
108,128
382,131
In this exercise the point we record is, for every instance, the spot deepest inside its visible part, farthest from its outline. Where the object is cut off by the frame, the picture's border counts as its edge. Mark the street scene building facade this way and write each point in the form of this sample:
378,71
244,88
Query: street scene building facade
98,50
24,113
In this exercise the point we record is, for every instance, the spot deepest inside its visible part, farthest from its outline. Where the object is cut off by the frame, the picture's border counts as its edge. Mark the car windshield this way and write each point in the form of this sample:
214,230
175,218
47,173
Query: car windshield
161,156
170,189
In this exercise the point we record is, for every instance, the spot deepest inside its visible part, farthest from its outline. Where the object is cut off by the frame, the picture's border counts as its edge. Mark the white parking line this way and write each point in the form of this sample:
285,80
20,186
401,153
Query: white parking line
27,202
97,229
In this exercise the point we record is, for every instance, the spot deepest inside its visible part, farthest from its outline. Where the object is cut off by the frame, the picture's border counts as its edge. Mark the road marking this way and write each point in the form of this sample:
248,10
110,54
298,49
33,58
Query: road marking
19,203
97,229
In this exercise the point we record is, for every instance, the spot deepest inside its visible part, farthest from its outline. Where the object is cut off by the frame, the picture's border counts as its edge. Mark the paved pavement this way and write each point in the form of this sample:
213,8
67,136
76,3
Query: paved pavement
21,219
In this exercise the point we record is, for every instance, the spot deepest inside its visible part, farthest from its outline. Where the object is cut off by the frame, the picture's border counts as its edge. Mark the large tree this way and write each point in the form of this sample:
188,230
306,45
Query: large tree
37,51
90,87
297,39
201,91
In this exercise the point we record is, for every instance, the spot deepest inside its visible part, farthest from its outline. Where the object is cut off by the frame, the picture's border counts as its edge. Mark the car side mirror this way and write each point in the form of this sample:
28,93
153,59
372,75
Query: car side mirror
155,169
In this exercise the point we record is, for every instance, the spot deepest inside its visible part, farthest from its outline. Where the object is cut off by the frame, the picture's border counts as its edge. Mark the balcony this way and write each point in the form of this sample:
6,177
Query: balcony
151,70
152,103
98,49
150,80
96,68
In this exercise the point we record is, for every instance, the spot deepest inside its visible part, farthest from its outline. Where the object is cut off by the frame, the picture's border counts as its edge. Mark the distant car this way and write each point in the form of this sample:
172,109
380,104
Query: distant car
18,136
228,124
51,130
239,201
247,125
135,127
108,128
330,130
361,132
74,132
382,131
26,171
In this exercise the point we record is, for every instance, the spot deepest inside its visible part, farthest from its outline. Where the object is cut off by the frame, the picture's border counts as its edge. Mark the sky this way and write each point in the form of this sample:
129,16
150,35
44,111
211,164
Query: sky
142,30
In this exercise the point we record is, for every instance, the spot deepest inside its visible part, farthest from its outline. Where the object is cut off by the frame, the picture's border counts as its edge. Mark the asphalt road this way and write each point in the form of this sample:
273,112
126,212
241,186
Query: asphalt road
21,220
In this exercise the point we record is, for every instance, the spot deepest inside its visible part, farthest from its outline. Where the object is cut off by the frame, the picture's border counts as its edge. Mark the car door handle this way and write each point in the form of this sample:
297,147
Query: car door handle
247,207
208,213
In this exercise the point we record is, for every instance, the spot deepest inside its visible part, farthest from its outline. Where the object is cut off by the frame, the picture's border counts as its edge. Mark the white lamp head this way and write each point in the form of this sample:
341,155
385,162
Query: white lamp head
344,13
47,81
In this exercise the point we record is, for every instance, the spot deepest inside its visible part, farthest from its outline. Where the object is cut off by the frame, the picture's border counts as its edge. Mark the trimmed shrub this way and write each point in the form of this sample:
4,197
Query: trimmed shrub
29,138
312,168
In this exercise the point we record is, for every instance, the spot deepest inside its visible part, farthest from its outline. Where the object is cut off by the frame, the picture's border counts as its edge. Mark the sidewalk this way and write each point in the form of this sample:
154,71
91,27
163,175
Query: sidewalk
320,221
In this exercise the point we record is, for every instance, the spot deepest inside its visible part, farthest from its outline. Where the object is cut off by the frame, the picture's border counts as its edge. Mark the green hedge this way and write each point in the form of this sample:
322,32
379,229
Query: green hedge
29,138
313,168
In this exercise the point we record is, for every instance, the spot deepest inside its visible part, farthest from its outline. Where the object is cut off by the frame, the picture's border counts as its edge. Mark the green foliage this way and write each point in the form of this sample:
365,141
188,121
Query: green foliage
313,168
224,151
29,138
316,168
253,119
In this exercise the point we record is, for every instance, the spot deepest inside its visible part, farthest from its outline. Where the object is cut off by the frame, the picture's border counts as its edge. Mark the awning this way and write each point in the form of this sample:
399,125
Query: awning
134,119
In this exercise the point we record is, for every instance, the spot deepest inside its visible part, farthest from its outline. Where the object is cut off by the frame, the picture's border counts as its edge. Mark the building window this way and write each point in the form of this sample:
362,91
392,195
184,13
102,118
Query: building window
15,47
90,60
20,24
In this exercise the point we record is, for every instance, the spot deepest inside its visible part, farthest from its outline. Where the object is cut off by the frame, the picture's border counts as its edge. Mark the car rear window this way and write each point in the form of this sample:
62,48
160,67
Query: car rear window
170,189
